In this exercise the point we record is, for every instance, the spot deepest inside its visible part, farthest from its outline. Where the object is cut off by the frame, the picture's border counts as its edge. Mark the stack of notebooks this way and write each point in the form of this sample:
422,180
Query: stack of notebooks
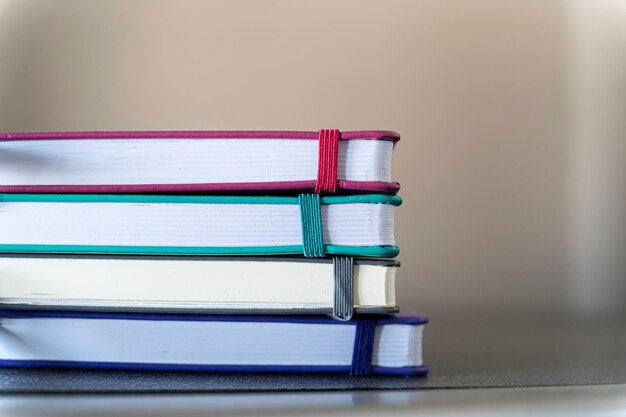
204,251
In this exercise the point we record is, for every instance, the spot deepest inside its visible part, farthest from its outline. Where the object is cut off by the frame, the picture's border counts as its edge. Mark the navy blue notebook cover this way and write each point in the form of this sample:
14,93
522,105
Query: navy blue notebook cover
362,348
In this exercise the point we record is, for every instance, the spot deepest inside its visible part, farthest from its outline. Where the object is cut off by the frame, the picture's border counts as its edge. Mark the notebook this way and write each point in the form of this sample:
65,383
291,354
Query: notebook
358,225
196,161
195,284
231,343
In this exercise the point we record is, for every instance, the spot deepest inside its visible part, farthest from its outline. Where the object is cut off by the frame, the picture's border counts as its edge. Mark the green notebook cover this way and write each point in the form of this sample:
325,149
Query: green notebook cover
383,251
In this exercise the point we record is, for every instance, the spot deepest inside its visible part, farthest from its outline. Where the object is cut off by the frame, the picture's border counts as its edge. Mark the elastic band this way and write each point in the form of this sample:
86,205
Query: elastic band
343,307
363,346
311,222
328,152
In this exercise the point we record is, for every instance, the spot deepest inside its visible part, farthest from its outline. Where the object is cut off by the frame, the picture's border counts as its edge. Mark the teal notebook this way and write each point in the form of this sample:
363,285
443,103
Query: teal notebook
359,225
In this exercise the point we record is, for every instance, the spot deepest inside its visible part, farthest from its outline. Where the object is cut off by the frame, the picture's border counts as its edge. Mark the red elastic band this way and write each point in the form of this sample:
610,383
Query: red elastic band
328,151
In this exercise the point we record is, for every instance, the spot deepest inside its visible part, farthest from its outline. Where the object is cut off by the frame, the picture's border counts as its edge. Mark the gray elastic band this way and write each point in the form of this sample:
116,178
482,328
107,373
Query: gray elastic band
343,308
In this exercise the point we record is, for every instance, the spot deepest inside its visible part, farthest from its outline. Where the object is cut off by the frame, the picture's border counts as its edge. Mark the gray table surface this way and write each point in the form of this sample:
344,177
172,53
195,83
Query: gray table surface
569,401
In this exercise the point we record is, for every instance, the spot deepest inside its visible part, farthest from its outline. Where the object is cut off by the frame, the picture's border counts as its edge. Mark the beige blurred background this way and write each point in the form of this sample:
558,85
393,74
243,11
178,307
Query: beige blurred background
513,157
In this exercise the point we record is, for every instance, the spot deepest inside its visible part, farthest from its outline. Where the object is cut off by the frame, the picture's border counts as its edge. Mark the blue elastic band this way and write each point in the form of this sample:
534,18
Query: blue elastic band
311,220
363,346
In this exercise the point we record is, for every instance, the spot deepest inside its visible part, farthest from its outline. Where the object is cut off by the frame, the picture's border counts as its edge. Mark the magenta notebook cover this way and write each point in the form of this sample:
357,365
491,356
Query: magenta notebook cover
20,151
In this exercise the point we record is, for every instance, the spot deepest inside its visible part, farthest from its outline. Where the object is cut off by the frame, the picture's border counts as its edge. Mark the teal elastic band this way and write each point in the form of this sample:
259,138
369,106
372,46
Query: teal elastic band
311,222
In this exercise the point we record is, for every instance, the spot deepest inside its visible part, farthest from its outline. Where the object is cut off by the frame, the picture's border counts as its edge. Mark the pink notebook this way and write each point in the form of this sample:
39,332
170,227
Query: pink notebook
326,161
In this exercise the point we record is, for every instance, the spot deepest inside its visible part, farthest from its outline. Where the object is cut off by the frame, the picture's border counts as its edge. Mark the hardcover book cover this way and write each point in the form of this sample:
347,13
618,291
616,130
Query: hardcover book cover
326,162
363,345
356,225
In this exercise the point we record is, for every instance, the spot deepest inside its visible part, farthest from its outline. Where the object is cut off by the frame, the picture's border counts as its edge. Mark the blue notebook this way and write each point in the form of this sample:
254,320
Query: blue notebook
215,343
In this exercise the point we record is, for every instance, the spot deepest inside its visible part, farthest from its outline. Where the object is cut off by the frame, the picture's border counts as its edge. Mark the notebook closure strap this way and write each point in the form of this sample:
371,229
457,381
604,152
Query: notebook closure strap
311,222
328,152
343,306
363,346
